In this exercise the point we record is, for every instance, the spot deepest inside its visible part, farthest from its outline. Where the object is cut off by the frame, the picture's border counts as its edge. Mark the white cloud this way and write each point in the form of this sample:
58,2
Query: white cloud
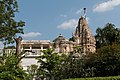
106,6
63,15
79,11
70,24
32,34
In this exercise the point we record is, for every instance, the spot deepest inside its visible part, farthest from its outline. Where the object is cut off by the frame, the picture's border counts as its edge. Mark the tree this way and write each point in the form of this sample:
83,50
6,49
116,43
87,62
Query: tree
8,26
107,35
9,63
50,64
10,68
106,61
73,64
72,67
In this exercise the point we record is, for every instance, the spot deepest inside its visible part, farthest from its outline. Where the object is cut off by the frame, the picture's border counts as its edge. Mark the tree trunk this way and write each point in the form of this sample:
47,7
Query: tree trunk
18,45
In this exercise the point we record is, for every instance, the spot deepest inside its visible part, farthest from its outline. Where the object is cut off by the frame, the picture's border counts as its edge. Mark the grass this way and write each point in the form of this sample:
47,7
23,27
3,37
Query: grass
98,78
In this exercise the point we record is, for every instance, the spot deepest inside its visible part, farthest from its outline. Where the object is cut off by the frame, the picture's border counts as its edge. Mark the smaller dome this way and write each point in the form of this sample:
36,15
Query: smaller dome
59,38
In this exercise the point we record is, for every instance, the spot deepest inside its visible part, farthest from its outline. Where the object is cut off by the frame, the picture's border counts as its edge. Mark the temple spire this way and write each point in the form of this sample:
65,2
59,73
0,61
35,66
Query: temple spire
84,12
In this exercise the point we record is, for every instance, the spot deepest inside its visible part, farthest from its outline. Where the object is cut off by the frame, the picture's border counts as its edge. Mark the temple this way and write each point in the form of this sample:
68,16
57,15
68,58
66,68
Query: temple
82,36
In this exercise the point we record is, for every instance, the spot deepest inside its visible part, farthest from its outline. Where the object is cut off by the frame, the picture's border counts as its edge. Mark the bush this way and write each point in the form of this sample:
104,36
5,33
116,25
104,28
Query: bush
98,78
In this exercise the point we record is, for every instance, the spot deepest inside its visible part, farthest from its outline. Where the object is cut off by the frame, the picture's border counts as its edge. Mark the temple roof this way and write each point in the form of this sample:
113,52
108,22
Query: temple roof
83,21
59,38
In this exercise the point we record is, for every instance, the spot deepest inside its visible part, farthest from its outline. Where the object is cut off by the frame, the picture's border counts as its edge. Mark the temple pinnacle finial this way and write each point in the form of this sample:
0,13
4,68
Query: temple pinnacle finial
84,12
60,34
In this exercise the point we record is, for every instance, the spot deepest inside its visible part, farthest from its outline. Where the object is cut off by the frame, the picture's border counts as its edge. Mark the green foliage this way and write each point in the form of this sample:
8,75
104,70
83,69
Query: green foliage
72,39
10,68
72,68
106,61
8,26
107,35
73,64
50,64
78,50
9,62
10,47
98,78
32,70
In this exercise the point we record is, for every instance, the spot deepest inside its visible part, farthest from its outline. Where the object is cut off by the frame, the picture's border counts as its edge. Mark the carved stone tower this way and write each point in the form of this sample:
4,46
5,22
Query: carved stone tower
83,36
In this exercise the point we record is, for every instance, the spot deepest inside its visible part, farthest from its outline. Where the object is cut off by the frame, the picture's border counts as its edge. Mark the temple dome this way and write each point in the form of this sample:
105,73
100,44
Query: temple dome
59,38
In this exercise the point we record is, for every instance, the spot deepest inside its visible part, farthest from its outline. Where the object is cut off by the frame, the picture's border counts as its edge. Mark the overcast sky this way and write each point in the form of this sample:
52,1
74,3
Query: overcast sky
46,19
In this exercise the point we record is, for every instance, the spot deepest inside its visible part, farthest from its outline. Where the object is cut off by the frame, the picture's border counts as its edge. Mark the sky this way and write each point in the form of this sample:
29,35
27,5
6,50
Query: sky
46,19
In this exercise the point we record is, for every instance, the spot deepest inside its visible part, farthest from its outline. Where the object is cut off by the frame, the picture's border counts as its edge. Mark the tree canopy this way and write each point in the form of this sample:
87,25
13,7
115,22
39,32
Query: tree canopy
50,64
106,61
107,35
10,68
9,27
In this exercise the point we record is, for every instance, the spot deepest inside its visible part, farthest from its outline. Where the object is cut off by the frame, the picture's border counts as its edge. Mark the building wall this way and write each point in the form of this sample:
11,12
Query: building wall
25,62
